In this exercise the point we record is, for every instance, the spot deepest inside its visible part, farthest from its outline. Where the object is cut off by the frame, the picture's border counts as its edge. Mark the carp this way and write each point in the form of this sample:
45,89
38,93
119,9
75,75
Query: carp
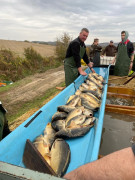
78,92
88,112
60,156
42,147
73,113
88,105
58,116
49,135
73,101
77,120
73,132
95,93
58,125
65,108
91,98
89,121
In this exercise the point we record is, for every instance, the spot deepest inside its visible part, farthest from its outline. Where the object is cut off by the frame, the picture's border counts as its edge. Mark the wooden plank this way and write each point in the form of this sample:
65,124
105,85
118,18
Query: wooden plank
120,106
129,110
115,78
123,96
121,90
34,160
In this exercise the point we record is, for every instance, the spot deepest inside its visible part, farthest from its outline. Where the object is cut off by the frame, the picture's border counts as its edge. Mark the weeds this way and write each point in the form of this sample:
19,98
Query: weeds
14,67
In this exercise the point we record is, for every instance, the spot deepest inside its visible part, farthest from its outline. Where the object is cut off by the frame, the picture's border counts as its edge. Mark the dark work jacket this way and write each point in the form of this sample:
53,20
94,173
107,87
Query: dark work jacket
74,50
95,54
110,50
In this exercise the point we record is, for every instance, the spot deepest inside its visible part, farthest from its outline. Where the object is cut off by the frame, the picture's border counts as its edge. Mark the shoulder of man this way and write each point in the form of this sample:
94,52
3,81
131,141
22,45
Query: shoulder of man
75,42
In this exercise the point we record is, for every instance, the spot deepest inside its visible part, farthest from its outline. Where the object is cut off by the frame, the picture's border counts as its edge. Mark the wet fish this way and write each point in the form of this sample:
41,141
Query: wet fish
81,88
77,120
58,125
58,116
89,121
75,112
92,84
49,135
78,92
88,112
85,85
88,105
65,108
73,101
96,93
42,147
70,98
60,156
99,77
96,82
72,132
79,103
91,98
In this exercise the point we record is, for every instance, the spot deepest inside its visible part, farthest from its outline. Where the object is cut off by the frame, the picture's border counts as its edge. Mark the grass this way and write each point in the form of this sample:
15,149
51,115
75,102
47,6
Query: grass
35,103
11,86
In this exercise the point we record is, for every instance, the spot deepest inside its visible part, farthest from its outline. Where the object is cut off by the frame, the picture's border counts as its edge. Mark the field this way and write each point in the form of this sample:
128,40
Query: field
18,47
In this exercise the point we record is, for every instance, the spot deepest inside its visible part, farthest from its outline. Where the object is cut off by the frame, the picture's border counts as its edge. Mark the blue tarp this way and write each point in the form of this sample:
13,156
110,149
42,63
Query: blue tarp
83,149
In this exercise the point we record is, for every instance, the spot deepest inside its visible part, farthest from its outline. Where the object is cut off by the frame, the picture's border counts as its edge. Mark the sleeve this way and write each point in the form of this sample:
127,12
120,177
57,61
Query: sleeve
85,58
117,48
104,50
133,148
99,48
91,53
131,49
76,53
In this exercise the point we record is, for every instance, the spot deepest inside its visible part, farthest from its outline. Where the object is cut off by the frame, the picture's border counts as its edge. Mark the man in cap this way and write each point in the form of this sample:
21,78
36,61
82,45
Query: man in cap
75,52
110,50
125,56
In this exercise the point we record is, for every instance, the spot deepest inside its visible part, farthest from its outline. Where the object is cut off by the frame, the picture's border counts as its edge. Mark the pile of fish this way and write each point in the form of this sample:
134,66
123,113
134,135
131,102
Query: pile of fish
74,119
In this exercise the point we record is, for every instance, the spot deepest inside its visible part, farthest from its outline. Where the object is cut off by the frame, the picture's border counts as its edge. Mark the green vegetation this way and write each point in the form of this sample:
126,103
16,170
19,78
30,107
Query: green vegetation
62,45
13,67
35,103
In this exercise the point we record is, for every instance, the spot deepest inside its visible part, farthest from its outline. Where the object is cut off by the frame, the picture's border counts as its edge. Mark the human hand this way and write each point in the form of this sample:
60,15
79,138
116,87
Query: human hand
131,65
92,70
113,61
83,73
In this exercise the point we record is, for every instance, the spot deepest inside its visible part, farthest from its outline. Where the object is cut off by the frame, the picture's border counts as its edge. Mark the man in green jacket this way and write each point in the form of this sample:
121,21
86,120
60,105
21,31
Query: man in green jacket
75,52
125,56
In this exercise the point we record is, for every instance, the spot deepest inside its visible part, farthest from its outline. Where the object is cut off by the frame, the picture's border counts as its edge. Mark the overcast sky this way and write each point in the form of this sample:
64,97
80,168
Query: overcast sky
44,20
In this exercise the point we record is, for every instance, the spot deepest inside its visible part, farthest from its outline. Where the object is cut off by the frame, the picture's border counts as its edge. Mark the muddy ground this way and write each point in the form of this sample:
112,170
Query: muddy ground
36,85
29,88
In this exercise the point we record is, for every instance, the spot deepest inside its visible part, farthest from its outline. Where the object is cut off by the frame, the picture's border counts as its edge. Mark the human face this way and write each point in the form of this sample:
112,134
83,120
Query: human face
83,36
111,43
96,42
123,36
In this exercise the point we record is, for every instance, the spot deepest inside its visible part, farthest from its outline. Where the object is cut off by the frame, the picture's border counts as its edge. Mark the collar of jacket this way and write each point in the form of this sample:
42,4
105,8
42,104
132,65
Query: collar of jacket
125,42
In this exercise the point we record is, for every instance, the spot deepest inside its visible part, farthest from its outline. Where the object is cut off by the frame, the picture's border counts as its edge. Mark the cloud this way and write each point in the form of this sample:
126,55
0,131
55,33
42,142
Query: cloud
46,20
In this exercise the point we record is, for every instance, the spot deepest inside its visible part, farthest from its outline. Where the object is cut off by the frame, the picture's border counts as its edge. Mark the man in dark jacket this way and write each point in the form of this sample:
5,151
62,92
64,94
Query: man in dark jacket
75,52
110,50
4,129
95,50
125,56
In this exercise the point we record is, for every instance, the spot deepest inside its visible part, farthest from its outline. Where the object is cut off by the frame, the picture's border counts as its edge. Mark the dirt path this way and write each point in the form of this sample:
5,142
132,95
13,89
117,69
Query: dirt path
31,87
